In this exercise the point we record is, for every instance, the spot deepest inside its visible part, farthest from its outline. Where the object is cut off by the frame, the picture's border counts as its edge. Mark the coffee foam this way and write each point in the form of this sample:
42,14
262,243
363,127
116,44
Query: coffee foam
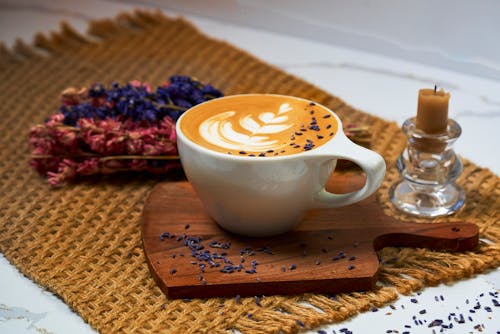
263,125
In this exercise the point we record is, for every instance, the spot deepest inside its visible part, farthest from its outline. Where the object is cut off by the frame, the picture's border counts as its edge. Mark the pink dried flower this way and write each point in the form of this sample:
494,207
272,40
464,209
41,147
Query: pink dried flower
88,167
66,170
55,120
137,83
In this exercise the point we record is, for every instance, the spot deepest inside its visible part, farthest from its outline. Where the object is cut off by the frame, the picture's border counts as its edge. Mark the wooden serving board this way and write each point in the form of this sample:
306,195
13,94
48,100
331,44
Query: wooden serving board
331,251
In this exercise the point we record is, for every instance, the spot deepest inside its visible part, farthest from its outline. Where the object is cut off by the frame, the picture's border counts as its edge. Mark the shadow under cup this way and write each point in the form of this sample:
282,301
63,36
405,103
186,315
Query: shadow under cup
253,189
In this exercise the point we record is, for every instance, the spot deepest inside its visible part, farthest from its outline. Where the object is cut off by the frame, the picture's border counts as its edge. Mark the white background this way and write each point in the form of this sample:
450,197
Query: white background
374,55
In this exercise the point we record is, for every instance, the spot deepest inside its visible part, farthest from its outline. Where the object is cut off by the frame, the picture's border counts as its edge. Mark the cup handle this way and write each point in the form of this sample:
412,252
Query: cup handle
372,164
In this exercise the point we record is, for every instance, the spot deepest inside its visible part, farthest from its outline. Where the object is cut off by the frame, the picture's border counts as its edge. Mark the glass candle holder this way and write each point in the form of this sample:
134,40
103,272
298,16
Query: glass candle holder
429,168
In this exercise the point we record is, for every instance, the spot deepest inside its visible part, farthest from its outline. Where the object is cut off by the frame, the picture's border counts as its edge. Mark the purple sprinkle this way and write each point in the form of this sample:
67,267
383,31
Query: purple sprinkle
250,315
243,152
321,331
330,134
257,301
300,323
312,104
327,116
422,311
488,309
495,302
470,318
320,136
413,300
392,307
262,155
187,226
237,299
351,267
374,309
251,155
293,267
298,133
328,126
352,258
441,297
173,271
311,112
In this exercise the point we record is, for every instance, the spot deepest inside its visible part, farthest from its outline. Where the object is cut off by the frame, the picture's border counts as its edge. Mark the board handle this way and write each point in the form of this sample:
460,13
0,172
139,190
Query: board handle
456,237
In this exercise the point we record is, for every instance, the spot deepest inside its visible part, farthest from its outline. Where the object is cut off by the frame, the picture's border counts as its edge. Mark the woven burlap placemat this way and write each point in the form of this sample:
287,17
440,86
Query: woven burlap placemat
82,241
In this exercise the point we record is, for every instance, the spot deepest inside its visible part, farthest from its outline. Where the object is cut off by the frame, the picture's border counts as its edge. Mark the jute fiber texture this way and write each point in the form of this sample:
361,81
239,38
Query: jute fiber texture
82,240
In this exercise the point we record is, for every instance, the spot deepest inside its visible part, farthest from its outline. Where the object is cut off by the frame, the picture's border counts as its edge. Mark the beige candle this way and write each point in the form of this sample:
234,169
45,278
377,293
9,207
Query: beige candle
432,112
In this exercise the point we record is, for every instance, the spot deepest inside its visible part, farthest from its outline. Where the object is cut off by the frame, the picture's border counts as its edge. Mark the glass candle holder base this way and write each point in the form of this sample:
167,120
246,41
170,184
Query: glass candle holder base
427,200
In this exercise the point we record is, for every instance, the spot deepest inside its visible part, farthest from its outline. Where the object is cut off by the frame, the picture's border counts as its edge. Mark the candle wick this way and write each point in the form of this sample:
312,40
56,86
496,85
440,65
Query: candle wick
435,88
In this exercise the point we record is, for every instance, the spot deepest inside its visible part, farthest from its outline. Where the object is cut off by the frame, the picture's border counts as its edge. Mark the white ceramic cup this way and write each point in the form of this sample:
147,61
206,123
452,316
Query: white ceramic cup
267,196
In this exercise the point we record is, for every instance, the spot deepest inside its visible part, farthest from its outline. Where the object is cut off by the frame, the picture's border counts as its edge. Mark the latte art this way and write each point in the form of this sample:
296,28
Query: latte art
257,135
264,125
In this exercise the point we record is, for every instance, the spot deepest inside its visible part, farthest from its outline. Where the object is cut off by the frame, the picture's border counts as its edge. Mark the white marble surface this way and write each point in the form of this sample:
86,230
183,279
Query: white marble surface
386,87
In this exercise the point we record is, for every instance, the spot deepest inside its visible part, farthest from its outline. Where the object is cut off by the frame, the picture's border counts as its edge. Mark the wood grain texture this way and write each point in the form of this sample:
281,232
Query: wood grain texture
331,251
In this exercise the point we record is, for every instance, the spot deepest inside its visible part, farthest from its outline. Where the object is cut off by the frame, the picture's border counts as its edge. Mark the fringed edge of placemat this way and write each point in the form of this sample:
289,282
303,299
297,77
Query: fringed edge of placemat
402,270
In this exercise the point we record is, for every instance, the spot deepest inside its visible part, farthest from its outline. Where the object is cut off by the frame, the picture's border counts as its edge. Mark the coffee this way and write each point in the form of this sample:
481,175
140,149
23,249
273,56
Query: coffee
261,126
266,196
